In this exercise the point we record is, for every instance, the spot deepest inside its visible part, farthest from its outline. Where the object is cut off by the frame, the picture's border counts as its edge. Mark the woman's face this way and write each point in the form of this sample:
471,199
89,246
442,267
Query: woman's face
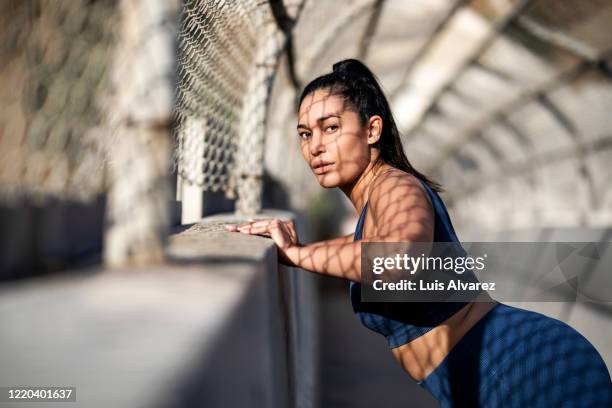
332,139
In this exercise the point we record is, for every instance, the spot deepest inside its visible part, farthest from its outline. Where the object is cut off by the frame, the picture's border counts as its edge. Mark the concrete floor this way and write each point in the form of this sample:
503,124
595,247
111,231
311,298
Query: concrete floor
357,368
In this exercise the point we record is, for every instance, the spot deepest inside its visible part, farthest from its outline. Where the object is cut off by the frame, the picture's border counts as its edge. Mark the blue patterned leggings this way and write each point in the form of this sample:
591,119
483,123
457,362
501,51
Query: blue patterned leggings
518,358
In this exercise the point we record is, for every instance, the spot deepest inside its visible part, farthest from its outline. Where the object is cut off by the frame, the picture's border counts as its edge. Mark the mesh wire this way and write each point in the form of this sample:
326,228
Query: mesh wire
217,44
87,93
55,58
62,131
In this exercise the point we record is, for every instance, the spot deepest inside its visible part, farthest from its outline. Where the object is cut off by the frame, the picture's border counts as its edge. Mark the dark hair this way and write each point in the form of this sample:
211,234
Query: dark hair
360,89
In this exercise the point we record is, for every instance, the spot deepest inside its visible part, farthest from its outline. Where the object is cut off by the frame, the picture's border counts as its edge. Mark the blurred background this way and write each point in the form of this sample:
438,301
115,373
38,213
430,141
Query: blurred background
131,130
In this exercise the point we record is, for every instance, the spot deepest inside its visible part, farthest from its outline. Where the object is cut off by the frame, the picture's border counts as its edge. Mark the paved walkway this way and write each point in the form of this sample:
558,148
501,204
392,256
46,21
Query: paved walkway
357,368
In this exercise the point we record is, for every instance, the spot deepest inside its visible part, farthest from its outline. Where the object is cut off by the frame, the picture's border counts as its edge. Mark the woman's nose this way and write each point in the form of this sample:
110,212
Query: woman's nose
316,144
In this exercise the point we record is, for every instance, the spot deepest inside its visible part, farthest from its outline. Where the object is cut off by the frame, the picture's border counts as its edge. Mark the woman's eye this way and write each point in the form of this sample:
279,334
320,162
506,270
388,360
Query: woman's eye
331,128
304,135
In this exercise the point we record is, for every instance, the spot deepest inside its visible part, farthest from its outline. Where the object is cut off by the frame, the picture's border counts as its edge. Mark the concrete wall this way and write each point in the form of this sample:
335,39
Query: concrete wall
221,325
36,239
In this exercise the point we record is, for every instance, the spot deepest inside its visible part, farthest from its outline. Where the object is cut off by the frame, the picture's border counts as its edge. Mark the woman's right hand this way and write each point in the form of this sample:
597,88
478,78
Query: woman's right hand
282,232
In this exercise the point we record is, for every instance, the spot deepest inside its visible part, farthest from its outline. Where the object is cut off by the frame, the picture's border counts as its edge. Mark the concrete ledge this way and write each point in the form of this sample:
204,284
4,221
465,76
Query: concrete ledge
220,326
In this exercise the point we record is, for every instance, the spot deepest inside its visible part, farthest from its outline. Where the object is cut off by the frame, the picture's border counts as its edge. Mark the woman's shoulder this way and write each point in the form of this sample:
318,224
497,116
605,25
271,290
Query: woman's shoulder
399,202
394,184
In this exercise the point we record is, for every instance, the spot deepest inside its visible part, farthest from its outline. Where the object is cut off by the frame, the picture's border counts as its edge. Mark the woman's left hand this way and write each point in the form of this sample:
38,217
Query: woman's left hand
282,232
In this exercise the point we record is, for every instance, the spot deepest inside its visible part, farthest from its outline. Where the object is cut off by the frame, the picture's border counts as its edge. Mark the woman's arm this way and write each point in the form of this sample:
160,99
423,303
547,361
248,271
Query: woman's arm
400,210
340,257
343,260
339,240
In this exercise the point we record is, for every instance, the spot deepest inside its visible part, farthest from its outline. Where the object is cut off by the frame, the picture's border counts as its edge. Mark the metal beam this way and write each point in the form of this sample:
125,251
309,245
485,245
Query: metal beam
577,138
537,92
584,148
442,24
557,38
286,24
494,115
498,28
368,34
349,15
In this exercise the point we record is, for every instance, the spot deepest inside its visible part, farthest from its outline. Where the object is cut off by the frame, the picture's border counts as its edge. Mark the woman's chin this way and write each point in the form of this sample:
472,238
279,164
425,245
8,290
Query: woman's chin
328,180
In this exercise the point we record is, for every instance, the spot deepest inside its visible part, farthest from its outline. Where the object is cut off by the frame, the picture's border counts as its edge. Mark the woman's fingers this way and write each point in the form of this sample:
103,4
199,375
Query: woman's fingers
256,223
246,229
282,232
260,223
251,229
235,227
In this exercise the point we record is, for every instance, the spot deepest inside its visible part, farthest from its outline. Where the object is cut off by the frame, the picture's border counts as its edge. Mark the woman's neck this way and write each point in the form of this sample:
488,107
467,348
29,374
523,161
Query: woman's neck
358,191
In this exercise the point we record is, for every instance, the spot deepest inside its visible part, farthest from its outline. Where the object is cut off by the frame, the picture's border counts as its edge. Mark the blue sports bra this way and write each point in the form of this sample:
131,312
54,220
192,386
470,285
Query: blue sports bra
402,322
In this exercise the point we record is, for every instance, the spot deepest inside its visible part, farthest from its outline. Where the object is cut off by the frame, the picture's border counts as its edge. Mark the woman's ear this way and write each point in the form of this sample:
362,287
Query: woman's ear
374,129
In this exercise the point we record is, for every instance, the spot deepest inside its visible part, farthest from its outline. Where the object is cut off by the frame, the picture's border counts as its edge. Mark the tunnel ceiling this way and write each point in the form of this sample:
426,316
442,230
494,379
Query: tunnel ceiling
507,103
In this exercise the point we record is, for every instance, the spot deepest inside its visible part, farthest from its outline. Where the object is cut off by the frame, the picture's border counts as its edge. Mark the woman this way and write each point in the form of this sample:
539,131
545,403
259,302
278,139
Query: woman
469,354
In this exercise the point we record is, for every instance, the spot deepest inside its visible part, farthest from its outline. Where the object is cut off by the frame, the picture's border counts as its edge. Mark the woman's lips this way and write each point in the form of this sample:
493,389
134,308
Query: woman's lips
323,169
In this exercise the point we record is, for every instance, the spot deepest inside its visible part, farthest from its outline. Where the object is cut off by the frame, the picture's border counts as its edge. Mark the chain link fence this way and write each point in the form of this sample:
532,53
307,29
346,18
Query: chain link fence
217,44
87,95
55,61
228,57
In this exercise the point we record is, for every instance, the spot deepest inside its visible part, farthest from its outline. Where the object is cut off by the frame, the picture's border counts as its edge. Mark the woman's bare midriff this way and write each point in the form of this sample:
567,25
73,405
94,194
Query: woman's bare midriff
423,354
